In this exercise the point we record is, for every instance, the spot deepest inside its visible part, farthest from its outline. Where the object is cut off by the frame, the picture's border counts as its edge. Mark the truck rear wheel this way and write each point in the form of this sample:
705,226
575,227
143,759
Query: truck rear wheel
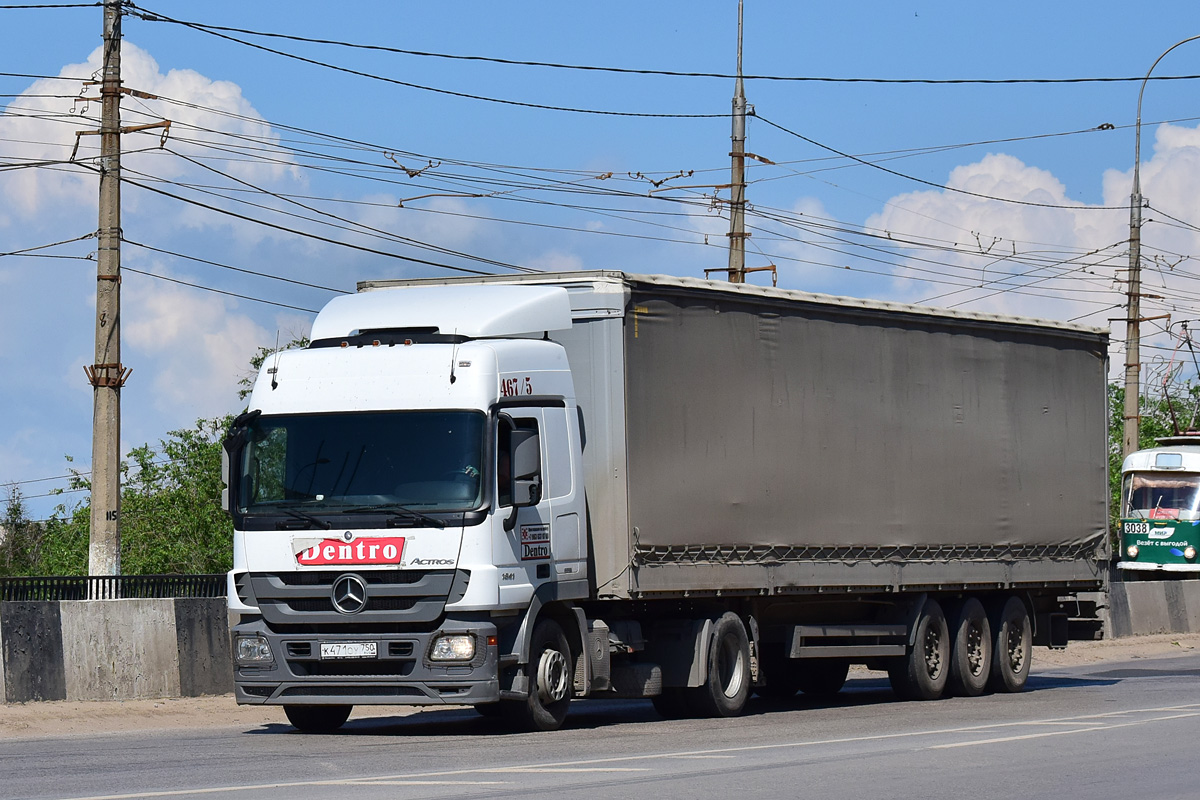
317,719
1013,646
922,673
970,650
550,681
724,692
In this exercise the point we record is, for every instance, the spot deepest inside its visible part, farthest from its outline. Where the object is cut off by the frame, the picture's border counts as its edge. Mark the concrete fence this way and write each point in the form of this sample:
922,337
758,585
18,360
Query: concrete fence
114,649
125,649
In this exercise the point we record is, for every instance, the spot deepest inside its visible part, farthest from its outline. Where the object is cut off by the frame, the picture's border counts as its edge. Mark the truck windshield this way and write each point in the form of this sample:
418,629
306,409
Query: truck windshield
1161,495
427,460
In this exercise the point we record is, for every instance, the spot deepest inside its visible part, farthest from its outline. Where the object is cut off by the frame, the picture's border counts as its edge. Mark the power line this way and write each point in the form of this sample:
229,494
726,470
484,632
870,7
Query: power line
407,84
51,5
46,246
931,183
151,16
235,269
220,291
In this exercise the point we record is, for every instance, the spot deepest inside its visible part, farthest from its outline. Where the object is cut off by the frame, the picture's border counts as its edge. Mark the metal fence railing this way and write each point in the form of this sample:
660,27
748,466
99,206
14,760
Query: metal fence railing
110,587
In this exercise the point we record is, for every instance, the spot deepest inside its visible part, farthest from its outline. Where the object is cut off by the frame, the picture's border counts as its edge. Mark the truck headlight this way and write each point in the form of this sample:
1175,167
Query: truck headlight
253,650
453,647
1189,552
1132,551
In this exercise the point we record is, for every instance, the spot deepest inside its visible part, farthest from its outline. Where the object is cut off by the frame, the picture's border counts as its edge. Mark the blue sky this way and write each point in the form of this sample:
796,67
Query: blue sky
824,221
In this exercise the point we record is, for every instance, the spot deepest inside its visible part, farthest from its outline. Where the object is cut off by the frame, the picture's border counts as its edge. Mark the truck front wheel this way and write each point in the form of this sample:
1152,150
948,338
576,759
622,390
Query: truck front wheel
317,719
922,673
550,681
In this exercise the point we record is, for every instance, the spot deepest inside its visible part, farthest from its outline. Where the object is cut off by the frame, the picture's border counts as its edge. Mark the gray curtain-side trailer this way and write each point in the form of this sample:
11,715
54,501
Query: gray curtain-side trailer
839,474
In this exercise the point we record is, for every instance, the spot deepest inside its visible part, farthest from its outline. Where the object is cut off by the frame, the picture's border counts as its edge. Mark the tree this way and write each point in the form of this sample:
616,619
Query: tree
21,539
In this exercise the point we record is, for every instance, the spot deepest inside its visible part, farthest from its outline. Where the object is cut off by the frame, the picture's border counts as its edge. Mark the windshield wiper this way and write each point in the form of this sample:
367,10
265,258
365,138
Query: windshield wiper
400,511
301,515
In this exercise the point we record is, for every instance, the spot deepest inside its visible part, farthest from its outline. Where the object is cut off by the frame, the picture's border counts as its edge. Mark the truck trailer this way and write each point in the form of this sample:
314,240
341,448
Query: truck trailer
509,492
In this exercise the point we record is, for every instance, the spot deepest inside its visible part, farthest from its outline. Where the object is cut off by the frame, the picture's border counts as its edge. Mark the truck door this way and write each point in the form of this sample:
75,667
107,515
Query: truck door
523,553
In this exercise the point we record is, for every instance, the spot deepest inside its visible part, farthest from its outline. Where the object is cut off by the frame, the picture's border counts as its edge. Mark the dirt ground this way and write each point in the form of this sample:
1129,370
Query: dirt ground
24,720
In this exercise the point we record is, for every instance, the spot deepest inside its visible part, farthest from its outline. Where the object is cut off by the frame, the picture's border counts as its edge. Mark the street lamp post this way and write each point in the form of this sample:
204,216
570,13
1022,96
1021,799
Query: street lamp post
1133,316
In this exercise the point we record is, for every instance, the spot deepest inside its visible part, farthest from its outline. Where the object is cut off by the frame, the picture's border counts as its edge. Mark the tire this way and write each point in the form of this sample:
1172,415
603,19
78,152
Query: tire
727,687
551,681
1012,647
922,673
970,650
317,719
822,677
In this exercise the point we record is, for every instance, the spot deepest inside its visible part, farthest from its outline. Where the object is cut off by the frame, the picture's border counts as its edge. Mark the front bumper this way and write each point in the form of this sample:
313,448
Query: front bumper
401,673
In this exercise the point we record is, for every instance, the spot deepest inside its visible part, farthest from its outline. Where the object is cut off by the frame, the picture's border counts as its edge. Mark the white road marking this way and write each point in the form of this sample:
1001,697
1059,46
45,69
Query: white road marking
716,752
524,770
1093,729
369,782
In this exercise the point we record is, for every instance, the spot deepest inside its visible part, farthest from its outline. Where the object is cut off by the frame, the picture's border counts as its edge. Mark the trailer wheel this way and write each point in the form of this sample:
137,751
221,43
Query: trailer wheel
922,673
727,687
550,681
822,677
1013,645
970,650
317,719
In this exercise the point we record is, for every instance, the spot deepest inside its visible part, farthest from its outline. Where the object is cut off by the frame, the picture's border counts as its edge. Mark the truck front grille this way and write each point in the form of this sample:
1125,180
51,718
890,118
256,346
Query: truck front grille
303,601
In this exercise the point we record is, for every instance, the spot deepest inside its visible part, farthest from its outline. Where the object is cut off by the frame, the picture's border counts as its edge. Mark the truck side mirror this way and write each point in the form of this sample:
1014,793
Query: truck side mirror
225,469
525,467
526,452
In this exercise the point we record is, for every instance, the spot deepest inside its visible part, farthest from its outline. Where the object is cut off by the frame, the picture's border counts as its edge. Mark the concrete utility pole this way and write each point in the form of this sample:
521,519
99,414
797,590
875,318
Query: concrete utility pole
1133,317
737,181
107,375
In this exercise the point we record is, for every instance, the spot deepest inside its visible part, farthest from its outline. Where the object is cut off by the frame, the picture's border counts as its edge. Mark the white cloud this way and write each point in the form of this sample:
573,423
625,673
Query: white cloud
193,347
41,125
971,241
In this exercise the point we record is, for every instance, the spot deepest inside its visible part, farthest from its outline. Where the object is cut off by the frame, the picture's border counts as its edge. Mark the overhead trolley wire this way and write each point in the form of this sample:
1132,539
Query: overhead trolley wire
152,16
397,82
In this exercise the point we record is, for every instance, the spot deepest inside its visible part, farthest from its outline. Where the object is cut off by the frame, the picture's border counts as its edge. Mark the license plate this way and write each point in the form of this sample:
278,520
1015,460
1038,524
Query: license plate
349,649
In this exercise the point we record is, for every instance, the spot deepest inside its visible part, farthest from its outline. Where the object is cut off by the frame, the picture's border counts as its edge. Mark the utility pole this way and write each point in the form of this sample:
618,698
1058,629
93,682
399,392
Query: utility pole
737,181
1133,318
107,375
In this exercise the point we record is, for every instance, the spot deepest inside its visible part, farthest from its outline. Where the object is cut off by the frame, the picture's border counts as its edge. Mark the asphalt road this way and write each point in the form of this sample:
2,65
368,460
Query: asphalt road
1112,730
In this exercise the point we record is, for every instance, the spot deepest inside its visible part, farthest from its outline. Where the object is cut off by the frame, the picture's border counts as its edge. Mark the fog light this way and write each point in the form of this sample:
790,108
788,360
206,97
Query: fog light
1189,552
253,650
453,647
1132,551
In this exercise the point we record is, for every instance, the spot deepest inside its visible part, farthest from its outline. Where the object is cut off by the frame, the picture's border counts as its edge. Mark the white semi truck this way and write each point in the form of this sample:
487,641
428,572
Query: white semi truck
512,492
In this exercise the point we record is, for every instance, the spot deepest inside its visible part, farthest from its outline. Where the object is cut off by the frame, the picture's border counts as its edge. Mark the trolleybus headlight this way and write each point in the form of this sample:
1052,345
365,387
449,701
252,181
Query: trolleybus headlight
1189,552
1132,550
453,647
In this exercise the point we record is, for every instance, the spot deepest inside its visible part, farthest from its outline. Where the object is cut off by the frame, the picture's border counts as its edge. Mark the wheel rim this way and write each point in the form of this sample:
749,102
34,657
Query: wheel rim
731,667
552,676
933,652
1016,647
975,655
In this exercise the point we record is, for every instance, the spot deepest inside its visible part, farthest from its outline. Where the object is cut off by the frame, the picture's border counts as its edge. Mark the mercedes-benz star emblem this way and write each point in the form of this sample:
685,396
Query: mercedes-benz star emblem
349,594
